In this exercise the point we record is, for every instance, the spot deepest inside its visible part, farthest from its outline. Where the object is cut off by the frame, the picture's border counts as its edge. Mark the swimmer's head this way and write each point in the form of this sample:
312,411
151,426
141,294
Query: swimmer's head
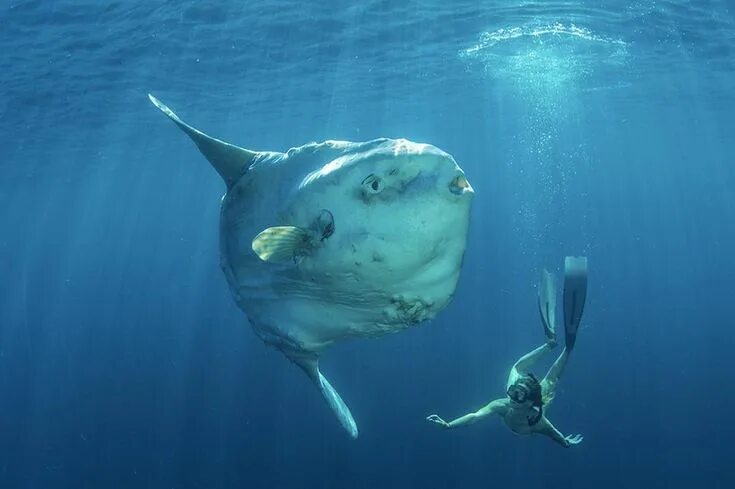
527,390
518,393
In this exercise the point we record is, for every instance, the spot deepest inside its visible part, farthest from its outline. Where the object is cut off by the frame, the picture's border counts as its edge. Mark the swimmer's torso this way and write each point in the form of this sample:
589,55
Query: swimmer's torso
516,417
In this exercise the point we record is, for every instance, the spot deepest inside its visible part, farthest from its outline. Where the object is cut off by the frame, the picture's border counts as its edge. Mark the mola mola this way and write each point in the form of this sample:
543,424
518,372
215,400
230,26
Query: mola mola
337,240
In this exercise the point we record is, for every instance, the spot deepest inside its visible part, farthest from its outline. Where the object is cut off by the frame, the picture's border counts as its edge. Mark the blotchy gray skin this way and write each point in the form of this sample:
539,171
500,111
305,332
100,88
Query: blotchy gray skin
401,216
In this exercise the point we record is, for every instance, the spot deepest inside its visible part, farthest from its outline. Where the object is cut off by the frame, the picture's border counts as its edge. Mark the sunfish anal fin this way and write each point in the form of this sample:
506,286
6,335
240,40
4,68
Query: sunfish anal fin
280,244
310,365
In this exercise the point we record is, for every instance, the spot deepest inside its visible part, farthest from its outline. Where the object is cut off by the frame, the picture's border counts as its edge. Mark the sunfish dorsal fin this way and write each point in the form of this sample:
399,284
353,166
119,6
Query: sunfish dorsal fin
229,160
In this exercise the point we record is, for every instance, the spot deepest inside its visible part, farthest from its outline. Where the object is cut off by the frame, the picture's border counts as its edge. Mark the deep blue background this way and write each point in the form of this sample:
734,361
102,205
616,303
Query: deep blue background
597,128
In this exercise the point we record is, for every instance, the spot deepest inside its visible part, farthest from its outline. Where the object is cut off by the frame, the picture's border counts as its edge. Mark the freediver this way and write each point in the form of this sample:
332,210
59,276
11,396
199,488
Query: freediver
522,409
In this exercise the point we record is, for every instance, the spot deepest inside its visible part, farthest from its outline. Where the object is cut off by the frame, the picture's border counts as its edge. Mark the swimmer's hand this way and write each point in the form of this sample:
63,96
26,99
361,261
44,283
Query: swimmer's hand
434,418
573,440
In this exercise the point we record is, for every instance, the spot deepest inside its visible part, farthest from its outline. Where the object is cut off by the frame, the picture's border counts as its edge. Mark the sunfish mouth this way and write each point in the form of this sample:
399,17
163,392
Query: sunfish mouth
460,185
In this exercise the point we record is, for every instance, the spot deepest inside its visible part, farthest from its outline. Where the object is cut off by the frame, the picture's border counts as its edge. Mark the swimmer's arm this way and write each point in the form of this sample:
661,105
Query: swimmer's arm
547,429
497,406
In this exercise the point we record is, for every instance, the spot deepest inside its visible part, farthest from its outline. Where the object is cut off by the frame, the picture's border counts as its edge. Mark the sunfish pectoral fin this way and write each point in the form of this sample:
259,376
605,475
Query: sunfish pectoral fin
311,367
229,160
575,294
280,244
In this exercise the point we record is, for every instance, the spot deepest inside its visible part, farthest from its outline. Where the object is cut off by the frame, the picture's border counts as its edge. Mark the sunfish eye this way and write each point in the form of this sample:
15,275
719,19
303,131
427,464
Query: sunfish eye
372,184
328,231
326,223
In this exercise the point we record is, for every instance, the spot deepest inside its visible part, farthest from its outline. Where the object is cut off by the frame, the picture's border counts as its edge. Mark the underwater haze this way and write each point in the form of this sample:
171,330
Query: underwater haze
596,128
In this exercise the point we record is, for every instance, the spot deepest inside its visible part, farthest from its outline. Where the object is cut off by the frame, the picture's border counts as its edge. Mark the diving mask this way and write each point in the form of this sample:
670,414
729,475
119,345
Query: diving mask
518,393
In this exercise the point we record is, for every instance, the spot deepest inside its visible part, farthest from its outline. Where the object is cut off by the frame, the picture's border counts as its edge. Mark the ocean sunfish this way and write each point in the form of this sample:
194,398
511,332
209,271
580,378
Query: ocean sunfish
338,240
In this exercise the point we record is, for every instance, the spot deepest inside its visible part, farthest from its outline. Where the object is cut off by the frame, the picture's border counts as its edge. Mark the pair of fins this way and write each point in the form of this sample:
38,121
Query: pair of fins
575,294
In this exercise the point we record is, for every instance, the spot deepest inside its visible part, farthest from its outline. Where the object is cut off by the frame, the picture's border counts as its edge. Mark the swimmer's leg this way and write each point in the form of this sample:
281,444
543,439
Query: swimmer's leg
524,364
548,384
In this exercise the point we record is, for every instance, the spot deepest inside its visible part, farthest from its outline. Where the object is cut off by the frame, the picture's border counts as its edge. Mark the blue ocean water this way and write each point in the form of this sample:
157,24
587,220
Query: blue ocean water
599,128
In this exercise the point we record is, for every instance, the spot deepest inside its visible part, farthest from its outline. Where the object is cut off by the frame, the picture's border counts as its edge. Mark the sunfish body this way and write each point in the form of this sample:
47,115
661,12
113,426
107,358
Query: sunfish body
338,240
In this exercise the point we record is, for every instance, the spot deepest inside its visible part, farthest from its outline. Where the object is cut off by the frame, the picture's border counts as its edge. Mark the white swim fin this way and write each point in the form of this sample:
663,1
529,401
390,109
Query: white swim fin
575,294
547,303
